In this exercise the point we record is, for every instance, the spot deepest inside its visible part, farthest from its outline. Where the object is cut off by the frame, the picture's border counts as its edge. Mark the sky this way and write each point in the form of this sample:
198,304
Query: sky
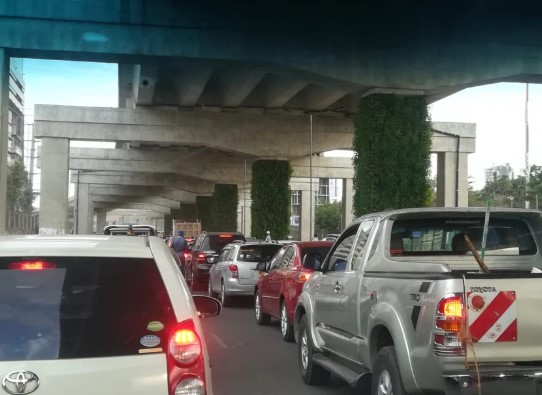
498,110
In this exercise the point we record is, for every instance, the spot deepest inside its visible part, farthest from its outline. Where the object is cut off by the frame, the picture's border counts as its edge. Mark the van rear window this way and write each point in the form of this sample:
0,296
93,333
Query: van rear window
445,236
62,308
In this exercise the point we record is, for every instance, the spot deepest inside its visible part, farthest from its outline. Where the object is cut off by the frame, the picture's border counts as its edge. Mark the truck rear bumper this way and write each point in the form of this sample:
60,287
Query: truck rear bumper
505,381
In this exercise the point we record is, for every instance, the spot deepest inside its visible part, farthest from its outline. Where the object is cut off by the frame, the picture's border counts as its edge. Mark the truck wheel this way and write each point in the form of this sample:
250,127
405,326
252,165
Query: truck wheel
261,317
286,328
386,375
311,373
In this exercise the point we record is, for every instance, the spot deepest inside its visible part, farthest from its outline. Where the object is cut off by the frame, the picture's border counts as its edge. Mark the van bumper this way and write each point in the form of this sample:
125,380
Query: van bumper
494,381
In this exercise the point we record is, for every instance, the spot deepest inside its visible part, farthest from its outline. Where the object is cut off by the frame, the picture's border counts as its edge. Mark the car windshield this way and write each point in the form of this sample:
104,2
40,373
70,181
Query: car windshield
257,253
445,236
81,308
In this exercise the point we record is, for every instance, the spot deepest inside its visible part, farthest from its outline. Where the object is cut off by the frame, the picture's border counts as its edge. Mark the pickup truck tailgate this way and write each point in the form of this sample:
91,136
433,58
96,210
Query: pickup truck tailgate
503,316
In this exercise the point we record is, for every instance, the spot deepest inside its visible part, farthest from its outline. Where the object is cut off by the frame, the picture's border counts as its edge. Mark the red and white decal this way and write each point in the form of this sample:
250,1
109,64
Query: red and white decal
492,316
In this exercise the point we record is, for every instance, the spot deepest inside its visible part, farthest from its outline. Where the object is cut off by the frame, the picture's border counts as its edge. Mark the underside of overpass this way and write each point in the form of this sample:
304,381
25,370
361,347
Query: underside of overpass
227,82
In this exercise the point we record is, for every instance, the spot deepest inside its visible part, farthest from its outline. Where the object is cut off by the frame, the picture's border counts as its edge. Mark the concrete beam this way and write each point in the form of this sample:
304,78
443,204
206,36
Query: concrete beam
191,82
148,79
282,90
243,133
236,84
174,181
321,98
157,201
127,89
172,195
109,206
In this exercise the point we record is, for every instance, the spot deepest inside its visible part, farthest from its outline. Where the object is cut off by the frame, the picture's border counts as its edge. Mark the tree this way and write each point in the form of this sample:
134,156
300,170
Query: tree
19,188
328,218
392,144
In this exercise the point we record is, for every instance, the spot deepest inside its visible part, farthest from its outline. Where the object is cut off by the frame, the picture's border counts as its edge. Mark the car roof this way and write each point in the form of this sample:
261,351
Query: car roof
75,245
222,233
254,243
308,244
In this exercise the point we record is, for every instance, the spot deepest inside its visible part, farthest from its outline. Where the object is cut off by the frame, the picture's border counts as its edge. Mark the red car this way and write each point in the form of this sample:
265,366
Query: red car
281,282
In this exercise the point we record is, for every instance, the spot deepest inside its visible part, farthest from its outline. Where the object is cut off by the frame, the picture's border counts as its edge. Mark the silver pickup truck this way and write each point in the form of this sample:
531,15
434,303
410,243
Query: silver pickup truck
401,305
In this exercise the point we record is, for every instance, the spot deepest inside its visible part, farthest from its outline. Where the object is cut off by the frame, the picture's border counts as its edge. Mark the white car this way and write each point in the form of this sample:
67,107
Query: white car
99,314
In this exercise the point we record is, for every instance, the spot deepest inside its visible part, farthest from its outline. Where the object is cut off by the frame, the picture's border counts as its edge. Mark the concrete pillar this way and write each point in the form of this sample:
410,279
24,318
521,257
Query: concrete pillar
244,218
4,109
304,223
55,153
101,221
450,194
347,202
84,210
168,225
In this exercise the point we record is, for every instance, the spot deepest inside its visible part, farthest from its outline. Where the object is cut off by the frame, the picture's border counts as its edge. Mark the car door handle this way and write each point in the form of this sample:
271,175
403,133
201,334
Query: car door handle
337,287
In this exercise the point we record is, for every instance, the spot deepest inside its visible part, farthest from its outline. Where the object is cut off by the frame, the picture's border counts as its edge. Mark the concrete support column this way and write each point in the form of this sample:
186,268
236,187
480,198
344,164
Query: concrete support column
84,210
347,202
101,221
244,217
4,109
305,214
452,180
55,153
168,225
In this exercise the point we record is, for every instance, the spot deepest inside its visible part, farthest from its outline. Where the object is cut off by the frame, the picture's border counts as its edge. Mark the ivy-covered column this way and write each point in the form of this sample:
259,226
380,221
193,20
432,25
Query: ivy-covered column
270,198
205,212
225,202
392,145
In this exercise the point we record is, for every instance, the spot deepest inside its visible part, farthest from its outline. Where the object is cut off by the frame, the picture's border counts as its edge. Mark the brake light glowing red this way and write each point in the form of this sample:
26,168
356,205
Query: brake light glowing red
186,366
201,258
32,265
225,236
234,271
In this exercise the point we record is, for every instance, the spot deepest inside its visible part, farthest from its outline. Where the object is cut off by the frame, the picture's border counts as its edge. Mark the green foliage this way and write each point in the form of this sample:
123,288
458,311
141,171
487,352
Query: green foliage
510,193
205,212
19,188
270,198
392,145
225,202
327,218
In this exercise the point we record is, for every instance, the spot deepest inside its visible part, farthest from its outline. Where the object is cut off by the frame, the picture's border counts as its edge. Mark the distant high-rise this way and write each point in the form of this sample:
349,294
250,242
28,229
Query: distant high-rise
496,172
16,111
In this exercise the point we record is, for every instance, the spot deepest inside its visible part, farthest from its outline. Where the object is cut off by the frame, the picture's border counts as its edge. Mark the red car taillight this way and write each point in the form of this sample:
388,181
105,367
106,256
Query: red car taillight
201,258
450,322
234,271
186,367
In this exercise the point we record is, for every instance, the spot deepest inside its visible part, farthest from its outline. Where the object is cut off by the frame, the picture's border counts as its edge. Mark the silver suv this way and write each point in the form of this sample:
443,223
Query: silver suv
234,270
110,314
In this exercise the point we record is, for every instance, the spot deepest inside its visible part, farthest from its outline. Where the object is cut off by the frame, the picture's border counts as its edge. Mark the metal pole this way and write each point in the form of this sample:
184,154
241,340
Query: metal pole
310,182
76,207
245,200
527,170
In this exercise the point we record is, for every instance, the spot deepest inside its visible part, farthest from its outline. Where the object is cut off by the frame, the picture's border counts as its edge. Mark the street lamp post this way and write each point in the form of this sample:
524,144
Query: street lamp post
311,200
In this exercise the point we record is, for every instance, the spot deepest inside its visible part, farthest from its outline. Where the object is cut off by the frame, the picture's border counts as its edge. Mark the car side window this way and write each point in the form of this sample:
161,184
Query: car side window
223,255
277,259
358,255
338,257
288,258
231,253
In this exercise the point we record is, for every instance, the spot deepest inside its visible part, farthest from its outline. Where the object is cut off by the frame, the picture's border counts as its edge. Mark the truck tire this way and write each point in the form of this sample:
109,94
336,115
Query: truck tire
261,317
311,373
386,375
286,327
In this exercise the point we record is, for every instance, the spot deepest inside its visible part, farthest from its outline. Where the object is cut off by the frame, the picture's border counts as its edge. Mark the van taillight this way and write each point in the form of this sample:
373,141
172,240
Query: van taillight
31,265
449,326
186,367
234,271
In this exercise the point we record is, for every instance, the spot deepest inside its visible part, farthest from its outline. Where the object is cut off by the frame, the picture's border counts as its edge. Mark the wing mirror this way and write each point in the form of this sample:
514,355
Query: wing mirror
262,266
207,306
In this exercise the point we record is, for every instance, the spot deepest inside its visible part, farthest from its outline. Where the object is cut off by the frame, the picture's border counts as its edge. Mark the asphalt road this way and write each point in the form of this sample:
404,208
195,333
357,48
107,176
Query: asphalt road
248,359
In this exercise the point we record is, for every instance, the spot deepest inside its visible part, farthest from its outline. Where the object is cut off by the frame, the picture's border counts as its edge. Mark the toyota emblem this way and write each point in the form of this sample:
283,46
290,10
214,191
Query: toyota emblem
20,382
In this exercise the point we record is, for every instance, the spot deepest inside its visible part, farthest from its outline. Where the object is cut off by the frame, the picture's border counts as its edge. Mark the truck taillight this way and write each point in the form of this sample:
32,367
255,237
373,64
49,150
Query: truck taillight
449,326
234,271
186,367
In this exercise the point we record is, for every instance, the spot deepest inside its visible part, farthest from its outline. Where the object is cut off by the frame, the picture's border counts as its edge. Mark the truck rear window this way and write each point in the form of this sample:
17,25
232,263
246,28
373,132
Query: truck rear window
61,308
445,236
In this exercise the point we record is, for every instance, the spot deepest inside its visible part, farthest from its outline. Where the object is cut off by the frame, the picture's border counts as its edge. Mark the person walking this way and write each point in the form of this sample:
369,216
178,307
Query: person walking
179,246
268,237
